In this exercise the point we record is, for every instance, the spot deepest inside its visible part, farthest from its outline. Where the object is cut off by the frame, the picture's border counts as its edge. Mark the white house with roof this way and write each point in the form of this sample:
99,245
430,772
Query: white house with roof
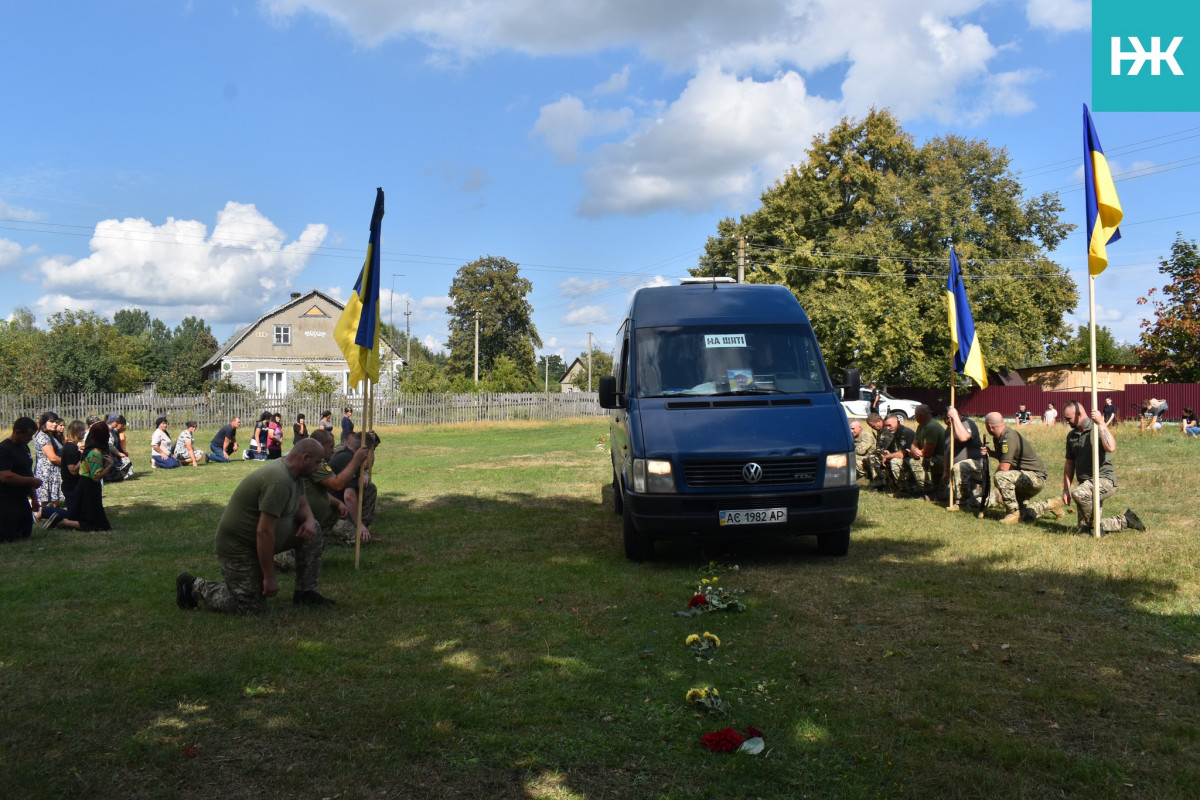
271,354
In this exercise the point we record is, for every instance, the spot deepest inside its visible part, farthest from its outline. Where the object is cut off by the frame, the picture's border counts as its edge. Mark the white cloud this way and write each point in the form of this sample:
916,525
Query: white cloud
566,122
615,83
578,287
1060,15
8,211
11,252
177,268
746,112
586,315
433,343
723,139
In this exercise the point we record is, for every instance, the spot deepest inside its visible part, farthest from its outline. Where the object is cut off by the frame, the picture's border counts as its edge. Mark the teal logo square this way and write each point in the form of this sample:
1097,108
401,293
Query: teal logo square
1146,56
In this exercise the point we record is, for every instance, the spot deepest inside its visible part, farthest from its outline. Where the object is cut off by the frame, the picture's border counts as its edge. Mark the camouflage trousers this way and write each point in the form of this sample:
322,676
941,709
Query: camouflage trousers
916,475
1082,495
968,482
241,592
862,465
1017,486
875,469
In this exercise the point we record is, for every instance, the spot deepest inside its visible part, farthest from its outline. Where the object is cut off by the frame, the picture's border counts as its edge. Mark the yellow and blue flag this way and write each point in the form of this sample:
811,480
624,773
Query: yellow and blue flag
1103,208
357,329
968,358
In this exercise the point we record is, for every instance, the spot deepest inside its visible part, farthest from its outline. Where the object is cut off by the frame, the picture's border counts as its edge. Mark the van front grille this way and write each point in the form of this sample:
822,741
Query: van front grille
728,473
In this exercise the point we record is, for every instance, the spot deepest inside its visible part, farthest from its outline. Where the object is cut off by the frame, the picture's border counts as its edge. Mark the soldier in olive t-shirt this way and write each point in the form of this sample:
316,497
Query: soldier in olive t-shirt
275,492
1021,474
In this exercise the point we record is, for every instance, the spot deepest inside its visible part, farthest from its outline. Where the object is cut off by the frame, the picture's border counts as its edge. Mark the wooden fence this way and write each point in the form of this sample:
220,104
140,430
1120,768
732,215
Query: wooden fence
213,410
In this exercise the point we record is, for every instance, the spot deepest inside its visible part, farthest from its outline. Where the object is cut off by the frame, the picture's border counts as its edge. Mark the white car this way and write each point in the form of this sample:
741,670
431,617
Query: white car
887,405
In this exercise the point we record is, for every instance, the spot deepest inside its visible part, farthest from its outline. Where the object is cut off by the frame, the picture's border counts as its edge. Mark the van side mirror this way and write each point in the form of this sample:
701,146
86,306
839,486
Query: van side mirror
851,384
608,392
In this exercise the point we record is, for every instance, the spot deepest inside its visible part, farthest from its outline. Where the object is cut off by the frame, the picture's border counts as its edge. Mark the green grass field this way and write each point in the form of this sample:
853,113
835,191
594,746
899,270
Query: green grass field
496,644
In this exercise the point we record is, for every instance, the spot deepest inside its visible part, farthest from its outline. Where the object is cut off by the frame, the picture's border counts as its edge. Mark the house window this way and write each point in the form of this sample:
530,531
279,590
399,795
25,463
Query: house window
283,334
270,382
350,390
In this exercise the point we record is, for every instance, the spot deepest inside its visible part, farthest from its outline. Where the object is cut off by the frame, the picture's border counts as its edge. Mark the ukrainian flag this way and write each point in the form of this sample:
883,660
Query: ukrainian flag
357,329
1103,208
968,359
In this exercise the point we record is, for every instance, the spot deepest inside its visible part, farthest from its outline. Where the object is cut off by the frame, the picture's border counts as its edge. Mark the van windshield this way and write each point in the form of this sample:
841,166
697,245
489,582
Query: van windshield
728,359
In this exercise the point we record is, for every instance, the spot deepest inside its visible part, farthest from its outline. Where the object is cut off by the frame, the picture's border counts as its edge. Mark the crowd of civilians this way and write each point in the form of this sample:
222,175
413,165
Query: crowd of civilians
60,485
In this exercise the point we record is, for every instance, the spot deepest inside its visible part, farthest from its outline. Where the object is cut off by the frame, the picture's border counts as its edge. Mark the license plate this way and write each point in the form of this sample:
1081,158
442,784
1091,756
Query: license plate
753,516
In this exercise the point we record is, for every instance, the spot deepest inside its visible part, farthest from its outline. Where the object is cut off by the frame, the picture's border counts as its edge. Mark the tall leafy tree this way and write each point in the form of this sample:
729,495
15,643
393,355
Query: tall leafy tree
1078,349
556,369
87,354
494,288
131,321
861,231
192,344
24,367
1169,341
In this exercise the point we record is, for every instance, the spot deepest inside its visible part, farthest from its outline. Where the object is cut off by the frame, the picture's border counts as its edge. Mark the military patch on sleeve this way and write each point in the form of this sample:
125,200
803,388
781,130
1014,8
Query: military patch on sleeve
1004,447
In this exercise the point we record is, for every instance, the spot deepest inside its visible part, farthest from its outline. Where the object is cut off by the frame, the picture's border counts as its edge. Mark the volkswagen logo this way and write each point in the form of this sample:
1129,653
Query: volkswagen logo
752,472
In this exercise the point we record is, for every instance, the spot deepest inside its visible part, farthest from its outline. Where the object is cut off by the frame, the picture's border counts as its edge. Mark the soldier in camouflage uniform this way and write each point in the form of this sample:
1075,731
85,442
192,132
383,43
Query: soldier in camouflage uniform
268,513
927,456
1078,466
883,438
864,446
969,468
1021,474
897,458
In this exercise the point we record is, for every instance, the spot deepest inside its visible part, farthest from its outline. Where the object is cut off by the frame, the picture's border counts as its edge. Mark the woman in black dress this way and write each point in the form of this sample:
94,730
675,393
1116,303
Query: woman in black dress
86,512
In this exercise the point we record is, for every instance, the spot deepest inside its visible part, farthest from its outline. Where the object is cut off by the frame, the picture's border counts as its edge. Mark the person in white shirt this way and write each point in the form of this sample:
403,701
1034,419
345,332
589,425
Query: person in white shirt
160,446
1051,415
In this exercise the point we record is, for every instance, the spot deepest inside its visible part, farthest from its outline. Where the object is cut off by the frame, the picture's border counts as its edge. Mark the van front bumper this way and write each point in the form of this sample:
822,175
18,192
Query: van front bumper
685,516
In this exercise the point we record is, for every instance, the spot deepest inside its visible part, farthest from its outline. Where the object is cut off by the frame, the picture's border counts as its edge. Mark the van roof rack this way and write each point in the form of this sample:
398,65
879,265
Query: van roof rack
718,279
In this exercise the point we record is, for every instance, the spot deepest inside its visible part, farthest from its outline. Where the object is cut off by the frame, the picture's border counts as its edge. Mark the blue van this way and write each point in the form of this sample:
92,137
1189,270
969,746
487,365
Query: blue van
725,422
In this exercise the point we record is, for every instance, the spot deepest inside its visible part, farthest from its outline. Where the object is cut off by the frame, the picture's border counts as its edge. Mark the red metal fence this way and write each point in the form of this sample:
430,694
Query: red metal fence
1005,399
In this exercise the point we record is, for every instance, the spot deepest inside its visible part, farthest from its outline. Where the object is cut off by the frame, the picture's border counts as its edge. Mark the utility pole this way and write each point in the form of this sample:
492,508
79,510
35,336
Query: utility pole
391,301
589,361
476,345
547,358
741,259
408,333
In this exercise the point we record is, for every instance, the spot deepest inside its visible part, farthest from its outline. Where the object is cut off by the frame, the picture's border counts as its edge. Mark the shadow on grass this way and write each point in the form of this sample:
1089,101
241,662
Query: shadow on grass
496,646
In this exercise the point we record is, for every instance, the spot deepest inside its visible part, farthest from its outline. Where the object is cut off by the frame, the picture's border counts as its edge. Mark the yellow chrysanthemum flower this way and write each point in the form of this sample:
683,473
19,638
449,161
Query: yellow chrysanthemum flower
691,640
712,638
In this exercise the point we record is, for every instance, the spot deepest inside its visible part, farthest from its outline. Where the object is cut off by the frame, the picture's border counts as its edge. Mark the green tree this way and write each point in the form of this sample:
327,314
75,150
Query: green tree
861,231
504,376
192,344
131,321
314,382
1169,341
494,288
24,368
557,368
601,363
22,319
1078,349
87,354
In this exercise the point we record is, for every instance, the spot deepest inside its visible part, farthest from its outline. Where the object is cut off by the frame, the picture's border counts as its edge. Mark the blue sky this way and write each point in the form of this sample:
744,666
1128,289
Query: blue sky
208,158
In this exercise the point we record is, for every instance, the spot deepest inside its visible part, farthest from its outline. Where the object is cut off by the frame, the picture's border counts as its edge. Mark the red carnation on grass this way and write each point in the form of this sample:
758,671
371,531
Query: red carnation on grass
697,600
725,740
752,733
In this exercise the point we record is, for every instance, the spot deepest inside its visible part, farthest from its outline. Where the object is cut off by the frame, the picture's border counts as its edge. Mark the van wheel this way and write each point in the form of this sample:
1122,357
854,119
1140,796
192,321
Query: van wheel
903,417
834,544
638,546
618,498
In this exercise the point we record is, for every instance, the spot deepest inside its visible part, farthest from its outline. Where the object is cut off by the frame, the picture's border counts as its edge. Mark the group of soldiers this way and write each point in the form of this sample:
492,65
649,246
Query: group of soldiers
903,462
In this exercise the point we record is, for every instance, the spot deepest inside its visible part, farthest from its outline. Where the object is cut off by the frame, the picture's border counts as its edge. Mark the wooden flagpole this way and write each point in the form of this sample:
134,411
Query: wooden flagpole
953,438
1095,433
362,472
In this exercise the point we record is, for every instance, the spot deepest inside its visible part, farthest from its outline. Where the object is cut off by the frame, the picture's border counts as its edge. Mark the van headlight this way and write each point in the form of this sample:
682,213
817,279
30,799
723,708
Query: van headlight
652,477
839,470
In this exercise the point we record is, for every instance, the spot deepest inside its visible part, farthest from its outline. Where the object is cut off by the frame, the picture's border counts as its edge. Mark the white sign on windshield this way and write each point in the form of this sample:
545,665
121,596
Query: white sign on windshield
724,340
